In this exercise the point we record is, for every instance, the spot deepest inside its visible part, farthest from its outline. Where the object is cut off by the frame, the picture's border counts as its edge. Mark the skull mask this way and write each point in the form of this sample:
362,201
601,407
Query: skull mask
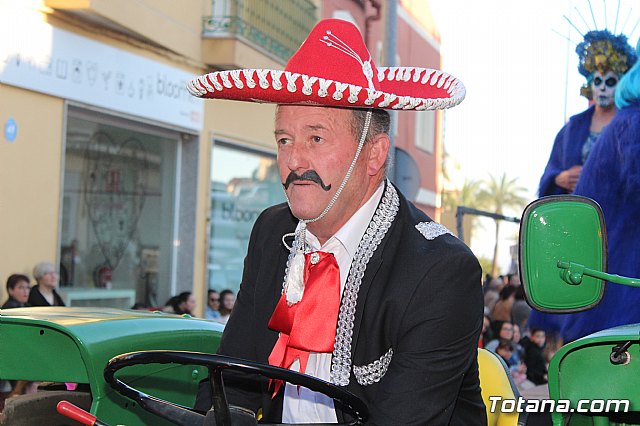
604,88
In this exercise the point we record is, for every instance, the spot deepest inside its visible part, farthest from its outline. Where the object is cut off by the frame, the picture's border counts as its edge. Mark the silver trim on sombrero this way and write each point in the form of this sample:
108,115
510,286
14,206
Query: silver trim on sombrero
432,230
332,40
221,80
377,229
371,373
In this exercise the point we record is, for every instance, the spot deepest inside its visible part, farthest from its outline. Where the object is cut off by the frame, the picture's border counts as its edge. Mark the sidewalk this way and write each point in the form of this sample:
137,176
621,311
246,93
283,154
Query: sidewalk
538,392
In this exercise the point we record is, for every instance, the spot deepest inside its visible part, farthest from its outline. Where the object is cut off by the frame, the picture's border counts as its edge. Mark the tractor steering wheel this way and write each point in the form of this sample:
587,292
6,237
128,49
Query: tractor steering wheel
221,413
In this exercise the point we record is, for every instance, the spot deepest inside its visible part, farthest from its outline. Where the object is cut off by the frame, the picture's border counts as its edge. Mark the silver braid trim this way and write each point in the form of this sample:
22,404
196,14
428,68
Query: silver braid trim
372,373
432,230
298,242
378,227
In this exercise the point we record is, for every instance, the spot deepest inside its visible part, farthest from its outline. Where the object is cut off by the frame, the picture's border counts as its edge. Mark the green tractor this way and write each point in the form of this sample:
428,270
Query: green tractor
113,367
67,349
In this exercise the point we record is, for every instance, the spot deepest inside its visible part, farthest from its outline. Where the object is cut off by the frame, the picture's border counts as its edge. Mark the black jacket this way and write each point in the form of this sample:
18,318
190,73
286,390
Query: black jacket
420,297
37,299
13,303
535,361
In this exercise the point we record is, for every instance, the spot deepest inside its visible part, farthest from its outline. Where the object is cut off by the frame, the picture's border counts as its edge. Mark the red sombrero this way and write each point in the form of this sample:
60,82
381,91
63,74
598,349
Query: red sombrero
334,68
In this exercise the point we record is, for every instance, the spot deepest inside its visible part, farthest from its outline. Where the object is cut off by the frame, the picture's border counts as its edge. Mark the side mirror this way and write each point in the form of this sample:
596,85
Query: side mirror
561,238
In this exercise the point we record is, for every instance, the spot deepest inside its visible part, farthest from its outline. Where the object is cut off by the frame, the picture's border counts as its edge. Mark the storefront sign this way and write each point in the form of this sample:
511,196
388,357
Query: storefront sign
37,56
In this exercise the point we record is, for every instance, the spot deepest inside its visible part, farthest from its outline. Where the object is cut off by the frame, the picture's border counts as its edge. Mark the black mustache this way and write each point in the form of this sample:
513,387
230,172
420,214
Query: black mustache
309,175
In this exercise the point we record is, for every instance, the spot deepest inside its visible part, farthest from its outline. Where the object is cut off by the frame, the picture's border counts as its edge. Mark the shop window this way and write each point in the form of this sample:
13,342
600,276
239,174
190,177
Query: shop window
118,208
243,183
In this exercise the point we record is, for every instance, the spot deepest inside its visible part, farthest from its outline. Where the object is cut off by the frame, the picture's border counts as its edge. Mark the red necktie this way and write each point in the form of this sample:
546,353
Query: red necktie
309,325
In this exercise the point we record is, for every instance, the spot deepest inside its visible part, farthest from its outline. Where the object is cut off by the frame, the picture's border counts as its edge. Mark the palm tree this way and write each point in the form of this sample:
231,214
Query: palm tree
499,195
465,196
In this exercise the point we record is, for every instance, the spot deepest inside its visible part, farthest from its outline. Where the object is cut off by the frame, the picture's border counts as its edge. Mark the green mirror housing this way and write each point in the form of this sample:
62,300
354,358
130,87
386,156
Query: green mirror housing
561,237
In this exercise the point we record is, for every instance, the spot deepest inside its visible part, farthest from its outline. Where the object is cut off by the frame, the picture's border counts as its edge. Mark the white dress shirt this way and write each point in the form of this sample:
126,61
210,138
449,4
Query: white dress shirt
300,404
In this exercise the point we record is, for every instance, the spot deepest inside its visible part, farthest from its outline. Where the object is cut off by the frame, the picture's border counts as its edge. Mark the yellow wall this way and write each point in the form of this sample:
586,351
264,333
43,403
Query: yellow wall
244,122
231,53
30,172
176,25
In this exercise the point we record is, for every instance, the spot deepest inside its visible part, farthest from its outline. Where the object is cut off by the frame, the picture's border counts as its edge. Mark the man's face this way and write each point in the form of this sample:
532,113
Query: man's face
318,145
604,88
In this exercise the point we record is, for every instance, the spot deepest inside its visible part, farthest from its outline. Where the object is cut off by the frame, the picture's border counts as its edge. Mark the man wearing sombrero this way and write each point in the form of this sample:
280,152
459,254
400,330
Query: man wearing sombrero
348,281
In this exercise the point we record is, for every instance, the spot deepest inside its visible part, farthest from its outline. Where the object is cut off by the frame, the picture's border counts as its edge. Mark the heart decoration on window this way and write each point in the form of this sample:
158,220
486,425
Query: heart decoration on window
115,187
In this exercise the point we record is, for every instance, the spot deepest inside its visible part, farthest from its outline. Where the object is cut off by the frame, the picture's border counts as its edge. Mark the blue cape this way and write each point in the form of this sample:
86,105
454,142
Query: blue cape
611,176
566,151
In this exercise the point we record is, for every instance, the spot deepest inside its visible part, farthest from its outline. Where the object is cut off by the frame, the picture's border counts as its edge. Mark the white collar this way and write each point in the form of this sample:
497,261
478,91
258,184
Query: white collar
350,234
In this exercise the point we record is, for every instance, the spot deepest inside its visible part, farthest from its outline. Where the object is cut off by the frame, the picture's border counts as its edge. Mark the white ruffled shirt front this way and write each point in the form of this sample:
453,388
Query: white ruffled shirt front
303,405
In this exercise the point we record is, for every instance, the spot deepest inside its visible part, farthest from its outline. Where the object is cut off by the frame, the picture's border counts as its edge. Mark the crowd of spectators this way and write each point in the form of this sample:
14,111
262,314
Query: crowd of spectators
218,308
506,331
20,293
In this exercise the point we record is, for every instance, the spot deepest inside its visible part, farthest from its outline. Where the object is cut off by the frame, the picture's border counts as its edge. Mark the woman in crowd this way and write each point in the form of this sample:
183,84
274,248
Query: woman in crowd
504,332
227,300
212,311
183,303
44,293
18,290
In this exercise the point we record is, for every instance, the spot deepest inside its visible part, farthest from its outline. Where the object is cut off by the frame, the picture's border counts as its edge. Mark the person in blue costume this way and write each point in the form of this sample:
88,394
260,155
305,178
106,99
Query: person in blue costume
603,58
611,176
